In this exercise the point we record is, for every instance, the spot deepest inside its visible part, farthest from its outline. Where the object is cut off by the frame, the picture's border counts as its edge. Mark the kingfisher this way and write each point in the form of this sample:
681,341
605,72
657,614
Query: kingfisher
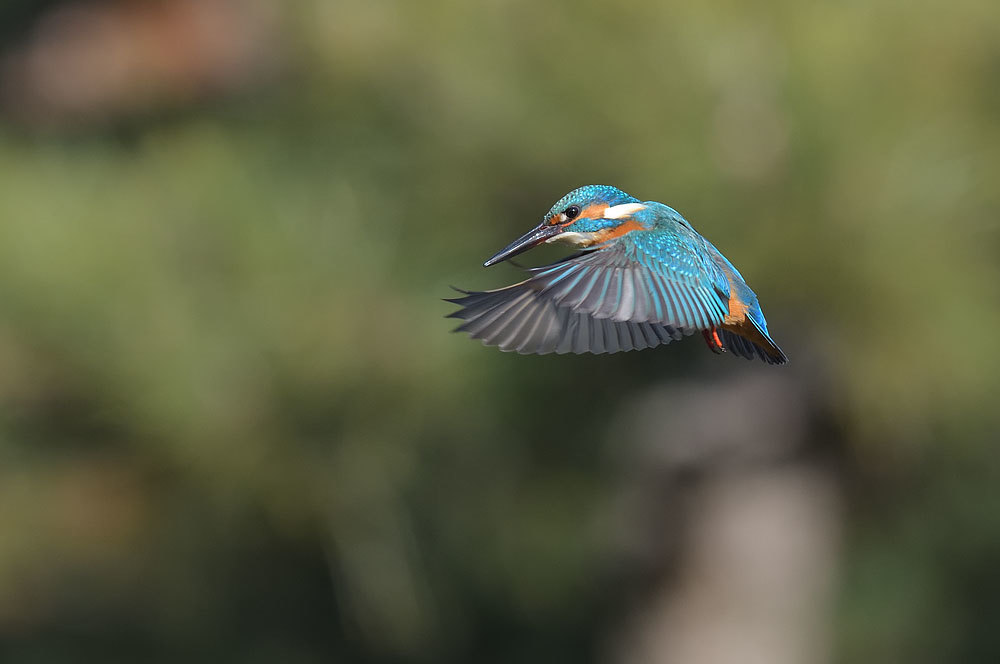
642,277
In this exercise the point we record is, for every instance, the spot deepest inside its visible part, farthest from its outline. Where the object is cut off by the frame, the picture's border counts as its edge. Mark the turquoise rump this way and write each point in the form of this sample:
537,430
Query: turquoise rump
643,277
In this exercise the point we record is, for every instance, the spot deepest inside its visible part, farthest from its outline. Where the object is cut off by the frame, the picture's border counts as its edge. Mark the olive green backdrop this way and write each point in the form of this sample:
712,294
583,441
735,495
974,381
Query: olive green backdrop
234,425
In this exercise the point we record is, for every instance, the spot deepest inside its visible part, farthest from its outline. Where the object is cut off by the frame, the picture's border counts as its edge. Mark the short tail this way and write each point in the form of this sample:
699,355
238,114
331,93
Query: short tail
749,339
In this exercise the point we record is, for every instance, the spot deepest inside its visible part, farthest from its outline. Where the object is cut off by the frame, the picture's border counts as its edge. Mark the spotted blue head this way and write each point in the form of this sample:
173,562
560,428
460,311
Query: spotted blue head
584,217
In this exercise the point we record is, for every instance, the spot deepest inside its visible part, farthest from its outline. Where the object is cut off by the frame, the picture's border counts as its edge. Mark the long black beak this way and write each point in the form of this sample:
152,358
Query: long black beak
532,238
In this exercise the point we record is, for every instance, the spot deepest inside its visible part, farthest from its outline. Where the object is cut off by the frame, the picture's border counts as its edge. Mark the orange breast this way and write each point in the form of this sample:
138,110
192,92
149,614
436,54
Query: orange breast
737,308
737,323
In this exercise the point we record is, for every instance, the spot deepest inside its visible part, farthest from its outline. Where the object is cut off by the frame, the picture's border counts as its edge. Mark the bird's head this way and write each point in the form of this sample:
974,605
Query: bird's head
584,217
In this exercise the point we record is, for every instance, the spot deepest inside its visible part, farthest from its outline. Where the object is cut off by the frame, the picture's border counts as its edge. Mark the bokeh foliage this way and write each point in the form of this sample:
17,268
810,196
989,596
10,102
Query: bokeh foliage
233,420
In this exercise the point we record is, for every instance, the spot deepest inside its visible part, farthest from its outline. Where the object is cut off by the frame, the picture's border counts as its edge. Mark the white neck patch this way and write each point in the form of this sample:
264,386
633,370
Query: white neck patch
623,210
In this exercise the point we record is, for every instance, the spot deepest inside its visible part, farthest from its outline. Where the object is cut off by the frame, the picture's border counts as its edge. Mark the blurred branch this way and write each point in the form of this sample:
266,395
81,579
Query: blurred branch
87,61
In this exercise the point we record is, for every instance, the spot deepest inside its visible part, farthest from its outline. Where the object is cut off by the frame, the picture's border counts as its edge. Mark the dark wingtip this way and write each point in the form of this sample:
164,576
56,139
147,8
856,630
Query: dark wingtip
775,355
456,300
740,346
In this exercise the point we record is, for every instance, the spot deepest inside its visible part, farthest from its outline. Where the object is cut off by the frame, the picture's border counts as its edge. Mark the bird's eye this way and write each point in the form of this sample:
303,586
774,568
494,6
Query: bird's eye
572,211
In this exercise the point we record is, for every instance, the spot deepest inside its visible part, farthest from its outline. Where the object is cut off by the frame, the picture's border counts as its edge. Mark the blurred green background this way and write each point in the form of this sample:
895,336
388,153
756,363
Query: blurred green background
234,426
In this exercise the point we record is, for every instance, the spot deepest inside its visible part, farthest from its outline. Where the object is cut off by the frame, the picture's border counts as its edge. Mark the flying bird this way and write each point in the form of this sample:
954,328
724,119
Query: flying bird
643,277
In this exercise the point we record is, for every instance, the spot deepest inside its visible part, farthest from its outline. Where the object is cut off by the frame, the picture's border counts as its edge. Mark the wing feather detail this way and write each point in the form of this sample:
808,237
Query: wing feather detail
522,319
625,282
596,335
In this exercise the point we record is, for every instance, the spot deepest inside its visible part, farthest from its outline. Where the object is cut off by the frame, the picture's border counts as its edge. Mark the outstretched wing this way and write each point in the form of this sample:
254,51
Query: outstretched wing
643,277
522,318
638,292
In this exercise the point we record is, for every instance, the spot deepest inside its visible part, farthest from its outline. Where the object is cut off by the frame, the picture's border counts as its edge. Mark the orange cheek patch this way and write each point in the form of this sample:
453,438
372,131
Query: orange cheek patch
593,211
620,230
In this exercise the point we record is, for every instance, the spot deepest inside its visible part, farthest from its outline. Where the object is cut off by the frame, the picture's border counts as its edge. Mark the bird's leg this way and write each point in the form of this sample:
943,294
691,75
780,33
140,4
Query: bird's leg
712,339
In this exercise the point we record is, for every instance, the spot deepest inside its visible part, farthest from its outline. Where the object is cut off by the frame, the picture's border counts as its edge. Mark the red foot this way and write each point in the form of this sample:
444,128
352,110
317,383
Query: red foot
712,339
